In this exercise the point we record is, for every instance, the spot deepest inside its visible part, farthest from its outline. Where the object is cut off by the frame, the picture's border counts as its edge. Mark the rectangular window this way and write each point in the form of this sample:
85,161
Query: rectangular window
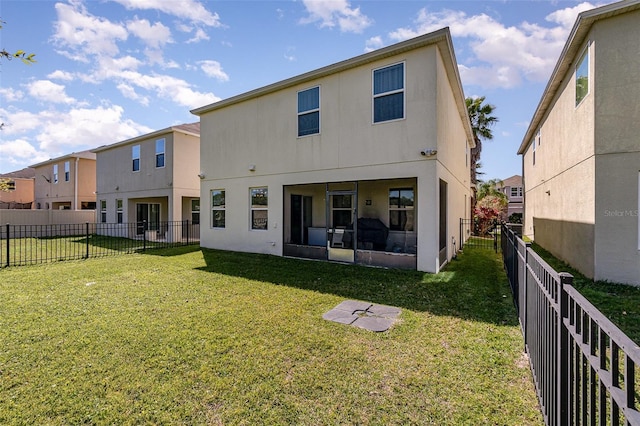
259,208
119,211
10,185
55,173
309,112
516,191
103,211
160,153
195,212
135,157
218,208
401,203
67,171
582,77
388,93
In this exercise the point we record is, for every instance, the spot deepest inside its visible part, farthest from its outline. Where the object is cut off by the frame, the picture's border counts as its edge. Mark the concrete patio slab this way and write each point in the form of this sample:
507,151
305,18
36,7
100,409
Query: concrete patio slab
363,315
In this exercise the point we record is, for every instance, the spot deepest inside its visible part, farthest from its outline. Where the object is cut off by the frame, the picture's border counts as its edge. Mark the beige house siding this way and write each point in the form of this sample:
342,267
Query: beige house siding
73,194
581,195
23,192
252,141
172,186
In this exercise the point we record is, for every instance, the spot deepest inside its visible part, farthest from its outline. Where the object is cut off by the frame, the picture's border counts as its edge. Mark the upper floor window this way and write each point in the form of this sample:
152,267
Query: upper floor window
119,211
259,208
55,173
160,153
388,93
516,191
135,157
218,208
9,185
67,171
582,77
401,202
309,111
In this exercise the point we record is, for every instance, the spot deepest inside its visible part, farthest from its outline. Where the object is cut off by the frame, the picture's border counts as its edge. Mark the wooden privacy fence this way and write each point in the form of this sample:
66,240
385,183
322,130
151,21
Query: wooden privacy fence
586,371
31,244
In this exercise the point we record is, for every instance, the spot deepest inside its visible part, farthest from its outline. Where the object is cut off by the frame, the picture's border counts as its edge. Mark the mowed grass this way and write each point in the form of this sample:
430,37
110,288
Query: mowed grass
189,336
618,302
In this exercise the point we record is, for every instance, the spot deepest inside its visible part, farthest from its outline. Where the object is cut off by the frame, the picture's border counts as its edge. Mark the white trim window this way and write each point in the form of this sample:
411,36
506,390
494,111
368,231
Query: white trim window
119,211
160,145
67,171
55,173
218,208
195,211
259,208
582,76
388,93
103,211
516,191
309,111
135,158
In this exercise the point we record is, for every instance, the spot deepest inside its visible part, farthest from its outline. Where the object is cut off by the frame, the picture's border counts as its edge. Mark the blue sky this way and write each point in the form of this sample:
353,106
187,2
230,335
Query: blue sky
109,70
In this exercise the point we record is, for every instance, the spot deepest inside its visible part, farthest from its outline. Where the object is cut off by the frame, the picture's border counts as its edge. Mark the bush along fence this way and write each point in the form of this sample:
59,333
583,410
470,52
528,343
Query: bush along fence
586,371
31,244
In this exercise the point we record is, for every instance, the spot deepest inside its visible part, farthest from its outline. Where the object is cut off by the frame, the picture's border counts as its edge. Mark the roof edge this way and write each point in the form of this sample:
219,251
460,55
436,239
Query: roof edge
156,133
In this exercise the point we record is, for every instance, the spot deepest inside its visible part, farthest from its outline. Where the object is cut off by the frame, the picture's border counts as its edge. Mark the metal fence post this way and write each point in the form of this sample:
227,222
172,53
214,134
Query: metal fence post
563,350
8,244
187,221
86,234
144,235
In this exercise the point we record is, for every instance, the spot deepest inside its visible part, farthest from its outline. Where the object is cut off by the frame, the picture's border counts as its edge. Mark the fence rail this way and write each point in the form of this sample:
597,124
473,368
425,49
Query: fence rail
586,371
32,244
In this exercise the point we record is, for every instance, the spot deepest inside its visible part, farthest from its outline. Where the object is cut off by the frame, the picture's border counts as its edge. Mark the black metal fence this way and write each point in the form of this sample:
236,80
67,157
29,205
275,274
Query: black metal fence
586,371
31,244
487,236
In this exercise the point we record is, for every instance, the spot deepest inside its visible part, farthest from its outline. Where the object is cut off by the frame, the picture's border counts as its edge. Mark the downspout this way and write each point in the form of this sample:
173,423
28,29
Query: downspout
75,189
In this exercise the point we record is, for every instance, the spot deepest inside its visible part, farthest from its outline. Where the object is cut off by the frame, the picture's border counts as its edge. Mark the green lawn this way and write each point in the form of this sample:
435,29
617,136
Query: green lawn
620,303
189,336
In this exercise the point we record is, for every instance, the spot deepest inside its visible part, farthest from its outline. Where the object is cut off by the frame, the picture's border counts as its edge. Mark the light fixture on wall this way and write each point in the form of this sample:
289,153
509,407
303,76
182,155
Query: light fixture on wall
428,152
201,175
548,192
252,167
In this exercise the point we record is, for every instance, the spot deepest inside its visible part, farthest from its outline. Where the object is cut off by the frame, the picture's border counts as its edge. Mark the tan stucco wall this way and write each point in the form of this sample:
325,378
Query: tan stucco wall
262,132
617,82
65,191
24,192
589,160
177,179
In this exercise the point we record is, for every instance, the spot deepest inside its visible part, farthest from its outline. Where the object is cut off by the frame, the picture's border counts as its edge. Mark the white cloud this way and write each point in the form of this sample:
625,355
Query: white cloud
47,91
191,10
17,152
373,43
60,75
213,69
85,34
199,36
154,36
333,13
499,55
130,93
10,94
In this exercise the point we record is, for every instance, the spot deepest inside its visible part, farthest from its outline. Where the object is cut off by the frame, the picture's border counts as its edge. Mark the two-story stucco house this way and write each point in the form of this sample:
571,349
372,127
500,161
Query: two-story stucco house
20,191
151,178
512,188
67,182
363,161
581,152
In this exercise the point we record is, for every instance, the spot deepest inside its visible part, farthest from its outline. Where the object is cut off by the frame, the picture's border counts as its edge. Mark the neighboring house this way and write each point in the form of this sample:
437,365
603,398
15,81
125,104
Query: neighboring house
151,178
67,182
512,188
581,152
363,161
20,185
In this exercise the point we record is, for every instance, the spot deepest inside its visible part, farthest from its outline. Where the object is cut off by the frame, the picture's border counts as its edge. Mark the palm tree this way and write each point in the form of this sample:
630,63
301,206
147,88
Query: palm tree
481,123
